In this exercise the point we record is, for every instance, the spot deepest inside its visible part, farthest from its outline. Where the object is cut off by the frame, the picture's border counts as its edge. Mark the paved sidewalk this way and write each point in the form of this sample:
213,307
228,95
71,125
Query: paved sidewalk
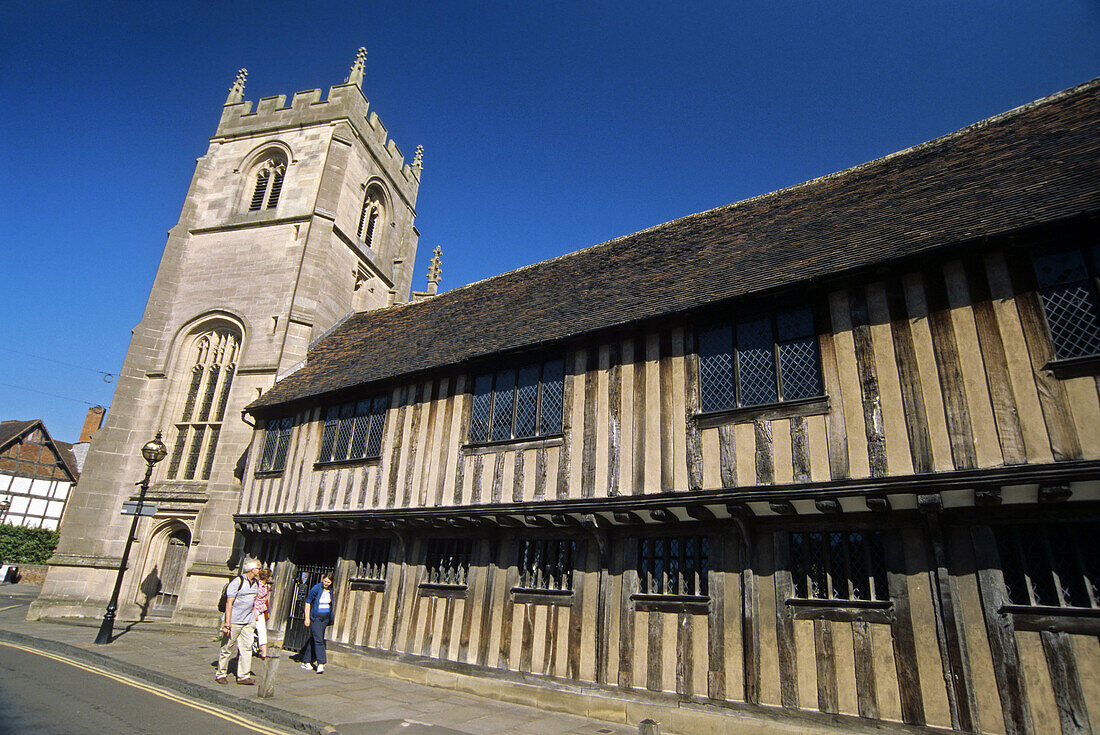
340,701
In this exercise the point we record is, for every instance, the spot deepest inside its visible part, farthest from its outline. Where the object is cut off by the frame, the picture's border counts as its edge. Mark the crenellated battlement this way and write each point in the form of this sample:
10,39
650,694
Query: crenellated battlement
344,102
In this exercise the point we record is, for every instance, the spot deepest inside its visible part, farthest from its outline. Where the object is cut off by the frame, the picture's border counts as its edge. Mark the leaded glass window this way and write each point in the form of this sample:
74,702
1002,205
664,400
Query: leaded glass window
838,565
1066,281
673,565
213,358
518,403
546,564
758,360
372,559
1051,564
448,561
353,431
276,443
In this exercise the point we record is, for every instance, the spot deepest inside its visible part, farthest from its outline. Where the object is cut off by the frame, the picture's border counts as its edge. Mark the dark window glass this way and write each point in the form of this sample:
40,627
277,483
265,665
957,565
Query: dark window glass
518,404
1067,290
527,400
546,564
768,358
353,431
372,559
838,565
504,404
675,565
481,410
448,561
1050,564
551,393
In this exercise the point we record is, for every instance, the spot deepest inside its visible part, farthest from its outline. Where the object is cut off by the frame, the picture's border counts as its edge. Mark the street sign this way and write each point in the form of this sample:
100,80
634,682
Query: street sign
133,508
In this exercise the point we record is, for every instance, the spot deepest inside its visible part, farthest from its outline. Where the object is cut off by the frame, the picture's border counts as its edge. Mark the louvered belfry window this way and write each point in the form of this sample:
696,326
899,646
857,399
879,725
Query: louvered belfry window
214,361
1066,280
268,186
370,217
759,359
518,403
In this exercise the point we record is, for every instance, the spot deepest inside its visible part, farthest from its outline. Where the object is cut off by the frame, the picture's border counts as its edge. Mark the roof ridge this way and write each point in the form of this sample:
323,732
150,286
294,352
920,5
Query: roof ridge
860,167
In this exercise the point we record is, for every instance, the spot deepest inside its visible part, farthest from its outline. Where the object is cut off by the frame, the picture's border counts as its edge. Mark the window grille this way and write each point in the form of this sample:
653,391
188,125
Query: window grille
372,559
269,185
760,359
353,430
369,216
1050,564
276,442
448,561
518,404
1066,281
199,425
546,564
839,565
673,565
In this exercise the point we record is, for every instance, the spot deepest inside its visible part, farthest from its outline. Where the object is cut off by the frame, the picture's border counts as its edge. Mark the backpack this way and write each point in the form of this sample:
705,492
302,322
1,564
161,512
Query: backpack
224,598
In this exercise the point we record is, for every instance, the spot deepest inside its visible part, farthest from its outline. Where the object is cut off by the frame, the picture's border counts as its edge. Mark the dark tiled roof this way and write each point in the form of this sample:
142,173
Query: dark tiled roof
12,430
1038,163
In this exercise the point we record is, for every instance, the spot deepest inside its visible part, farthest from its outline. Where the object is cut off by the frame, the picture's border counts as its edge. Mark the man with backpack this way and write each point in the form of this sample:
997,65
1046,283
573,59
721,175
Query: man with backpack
238,624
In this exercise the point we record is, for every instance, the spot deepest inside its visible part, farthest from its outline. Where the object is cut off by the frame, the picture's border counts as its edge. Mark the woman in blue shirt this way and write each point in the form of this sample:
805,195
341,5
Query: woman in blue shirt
318,614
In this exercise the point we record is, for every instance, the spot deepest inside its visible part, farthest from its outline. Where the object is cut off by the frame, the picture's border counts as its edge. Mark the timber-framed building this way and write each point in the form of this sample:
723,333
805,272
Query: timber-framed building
830,451
827,457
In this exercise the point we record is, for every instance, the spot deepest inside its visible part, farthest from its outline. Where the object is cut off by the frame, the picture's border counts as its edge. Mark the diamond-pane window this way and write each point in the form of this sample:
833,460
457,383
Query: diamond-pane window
1067,290
768,358
353,431
838,565
1050,564
676,565
518,404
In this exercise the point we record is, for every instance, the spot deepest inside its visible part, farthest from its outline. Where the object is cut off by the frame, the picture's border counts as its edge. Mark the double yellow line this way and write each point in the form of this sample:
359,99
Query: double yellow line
163,693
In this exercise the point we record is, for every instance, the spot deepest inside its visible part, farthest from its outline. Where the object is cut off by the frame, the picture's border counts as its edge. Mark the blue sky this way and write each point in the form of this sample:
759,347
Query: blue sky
547,127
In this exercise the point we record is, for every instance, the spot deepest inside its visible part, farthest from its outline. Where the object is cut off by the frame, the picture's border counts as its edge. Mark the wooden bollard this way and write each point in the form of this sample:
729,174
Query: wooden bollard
266,685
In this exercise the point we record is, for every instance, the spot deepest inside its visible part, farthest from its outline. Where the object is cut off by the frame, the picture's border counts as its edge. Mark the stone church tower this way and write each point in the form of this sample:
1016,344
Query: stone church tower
296,216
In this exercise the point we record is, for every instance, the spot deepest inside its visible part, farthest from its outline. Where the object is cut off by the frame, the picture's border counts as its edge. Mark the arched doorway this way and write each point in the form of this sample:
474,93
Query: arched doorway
171,572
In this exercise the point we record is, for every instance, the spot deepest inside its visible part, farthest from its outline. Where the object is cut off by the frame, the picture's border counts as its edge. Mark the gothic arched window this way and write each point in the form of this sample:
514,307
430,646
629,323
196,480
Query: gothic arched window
267,183
212,362
372,217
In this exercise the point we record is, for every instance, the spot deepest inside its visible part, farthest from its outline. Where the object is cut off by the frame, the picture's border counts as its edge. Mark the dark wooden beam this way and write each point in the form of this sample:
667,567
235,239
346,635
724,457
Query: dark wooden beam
930,503
540,521
986,498
509,521
739,510
877,503
1054,493
782,507
663,515
628,518
700,512
563,519
828,505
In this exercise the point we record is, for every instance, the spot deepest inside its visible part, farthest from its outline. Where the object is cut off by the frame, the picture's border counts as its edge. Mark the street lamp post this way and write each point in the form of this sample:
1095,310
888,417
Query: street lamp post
153,452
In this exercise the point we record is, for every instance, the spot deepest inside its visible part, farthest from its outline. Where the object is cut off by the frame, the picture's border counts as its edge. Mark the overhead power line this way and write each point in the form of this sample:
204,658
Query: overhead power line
52,395
107,377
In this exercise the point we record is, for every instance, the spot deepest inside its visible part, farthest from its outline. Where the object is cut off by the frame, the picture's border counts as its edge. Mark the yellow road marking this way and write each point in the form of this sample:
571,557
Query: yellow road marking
164,693
9,607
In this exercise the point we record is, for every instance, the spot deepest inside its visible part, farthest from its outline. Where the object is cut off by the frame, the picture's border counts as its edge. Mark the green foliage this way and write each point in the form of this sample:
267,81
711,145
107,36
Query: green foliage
22,545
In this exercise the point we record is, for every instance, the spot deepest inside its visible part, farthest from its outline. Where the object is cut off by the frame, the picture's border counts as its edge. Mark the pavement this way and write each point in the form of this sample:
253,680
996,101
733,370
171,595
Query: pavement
341,701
